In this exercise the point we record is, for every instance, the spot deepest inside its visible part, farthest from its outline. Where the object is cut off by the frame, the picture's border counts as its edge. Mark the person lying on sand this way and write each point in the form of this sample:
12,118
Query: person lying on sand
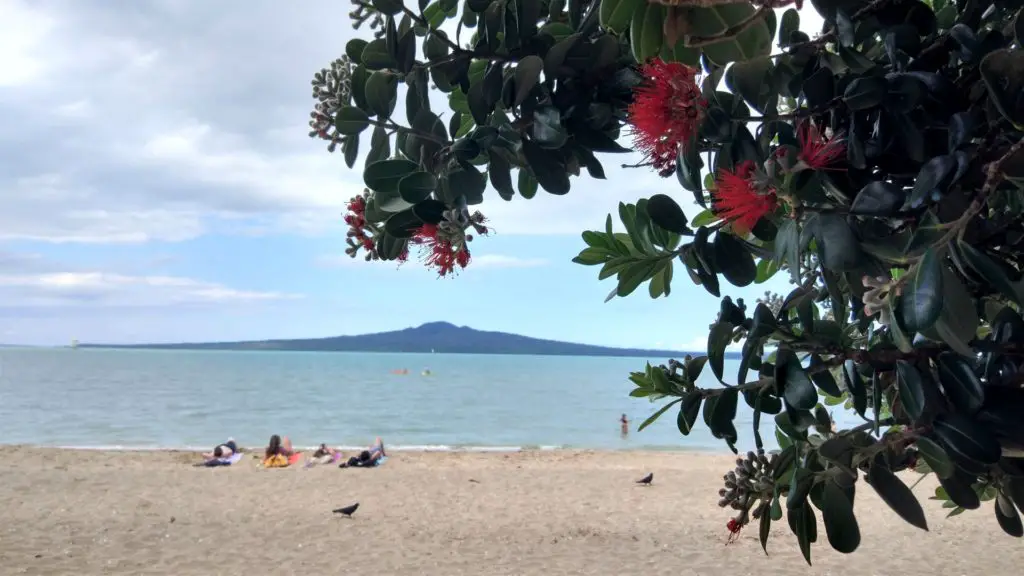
366,458
324,455
224,450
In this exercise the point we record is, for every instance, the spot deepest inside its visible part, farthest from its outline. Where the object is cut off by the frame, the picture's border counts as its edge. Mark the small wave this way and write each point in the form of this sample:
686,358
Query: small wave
343,448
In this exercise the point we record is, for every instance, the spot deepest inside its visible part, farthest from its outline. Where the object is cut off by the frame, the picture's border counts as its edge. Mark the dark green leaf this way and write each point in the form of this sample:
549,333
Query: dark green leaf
417,186
764,529
526,184
403,224
961,384
733,260
799,487
989,271
466,182
823,378
527,74
934,175
965,439
805,526
665,213
376,56
837,245
383,176
351,121
689,410
1007,516
388,7
840,523
694,367
961,128
718,339
651,419
878,199
897,495
921,303
501,176
547,129
1003,74
382,93
354,49
958,487
351,150
864,93
908,379
548,168
688,167
935,456
798,390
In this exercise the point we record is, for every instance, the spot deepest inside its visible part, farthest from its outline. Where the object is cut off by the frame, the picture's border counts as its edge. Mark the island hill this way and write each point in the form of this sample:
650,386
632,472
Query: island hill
440,337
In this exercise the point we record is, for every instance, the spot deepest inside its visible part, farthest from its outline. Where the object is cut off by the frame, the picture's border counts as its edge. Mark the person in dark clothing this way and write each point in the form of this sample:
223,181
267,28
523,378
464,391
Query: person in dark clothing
366,458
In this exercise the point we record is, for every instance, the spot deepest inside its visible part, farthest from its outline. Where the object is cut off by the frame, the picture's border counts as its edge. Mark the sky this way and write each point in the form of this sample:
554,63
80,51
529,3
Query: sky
158,185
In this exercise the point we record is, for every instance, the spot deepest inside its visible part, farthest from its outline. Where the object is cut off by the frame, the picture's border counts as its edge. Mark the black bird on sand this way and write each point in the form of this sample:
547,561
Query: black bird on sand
347,511
646,480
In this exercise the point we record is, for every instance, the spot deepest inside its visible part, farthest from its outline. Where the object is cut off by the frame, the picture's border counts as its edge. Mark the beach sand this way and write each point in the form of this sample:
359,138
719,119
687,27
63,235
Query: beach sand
557,512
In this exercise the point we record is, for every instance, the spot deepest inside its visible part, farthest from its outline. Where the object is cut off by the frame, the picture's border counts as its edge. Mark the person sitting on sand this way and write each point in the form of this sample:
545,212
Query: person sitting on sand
324,455
367,458
278,453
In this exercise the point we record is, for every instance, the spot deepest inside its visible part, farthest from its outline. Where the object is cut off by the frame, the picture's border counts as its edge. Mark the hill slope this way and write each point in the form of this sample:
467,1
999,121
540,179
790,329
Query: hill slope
440,337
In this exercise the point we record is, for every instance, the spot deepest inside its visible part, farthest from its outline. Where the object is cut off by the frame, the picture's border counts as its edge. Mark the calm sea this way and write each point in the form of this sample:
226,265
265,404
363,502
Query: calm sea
173,399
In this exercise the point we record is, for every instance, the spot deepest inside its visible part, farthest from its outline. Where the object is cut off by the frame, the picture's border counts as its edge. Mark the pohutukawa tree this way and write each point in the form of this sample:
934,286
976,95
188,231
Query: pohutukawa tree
877,163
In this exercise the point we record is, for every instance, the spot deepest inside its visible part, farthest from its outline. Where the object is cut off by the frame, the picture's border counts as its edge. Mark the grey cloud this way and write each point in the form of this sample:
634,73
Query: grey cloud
169,119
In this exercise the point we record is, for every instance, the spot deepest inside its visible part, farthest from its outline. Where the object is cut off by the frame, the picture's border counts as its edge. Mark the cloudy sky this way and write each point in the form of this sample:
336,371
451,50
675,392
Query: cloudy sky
158,184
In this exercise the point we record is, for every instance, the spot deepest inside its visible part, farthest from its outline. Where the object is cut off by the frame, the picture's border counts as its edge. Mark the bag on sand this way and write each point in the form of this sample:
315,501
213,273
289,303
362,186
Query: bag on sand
276,461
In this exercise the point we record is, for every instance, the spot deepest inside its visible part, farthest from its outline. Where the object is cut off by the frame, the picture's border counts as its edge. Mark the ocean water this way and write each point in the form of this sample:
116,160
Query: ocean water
182,399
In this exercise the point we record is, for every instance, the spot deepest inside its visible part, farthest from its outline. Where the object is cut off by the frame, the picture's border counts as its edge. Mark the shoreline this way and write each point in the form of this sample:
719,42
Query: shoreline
397,448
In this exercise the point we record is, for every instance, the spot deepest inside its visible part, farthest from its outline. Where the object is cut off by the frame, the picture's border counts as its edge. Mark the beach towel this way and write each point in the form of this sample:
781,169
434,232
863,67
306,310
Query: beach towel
216,462
280,461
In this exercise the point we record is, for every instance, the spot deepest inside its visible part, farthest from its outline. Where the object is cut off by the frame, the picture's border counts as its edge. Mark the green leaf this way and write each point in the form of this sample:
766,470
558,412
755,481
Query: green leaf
713,21
694,368
960,383
646,31
752,81
634,275
865,92
403,224
416,186
704,218
688,167
840,522
934,175
354,49
465,182
548,168
350,121
375,56
689,411
382,93
897,496
805,525
527,75
527,184
823,378
616,15
764,529
733,260
908,379
921,303
837,245
500,175
959,490
966,440
958,323
547,129
666,214
383,176
798,390
935,456
651,419
790,23
718,339
388,7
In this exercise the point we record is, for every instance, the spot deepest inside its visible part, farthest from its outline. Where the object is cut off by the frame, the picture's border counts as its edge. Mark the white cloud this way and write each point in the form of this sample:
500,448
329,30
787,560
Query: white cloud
22,34
503,261
99,289
699,344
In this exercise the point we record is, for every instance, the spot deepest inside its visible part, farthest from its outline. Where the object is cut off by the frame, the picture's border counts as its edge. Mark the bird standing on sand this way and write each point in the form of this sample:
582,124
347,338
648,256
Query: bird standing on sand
347,511
646,480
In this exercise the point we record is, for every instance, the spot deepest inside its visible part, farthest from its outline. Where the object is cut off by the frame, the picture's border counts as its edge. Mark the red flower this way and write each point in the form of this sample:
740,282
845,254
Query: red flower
439,252
737,199
733,526
815,151
666,111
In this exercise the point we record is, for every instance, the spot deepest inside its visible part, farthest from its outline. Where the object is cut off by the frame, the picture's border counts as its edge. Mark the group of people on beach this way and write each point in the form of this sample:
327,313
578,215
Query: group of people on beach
280,453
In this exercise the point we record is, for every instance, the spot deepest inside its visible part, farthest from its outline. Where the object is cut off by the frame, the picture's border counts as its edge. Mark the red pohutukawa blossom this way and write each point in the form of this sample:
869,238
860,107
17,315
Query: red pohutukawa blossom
356,220
737,198
734,527
817,152
445,246
667,109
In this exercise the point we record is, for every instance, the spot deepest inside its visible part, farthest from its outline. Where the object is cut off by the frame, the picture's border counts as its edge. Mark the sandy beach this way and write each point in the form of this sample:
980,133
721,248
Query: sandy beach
559,512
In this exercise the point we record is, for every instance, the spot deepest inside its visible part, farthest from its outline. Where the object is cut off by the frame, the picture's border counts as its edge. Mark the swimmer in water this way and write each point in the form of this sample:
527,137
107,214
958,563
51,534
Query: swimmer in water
624,423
